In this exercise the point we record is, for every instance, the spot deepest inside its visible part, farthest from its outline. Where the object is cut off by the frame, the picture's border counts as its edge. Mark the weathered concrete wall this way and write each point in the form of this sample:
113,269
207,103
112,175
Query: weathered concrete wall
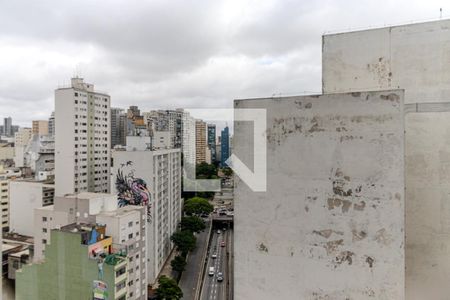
411,57
331,224
414,58
427,206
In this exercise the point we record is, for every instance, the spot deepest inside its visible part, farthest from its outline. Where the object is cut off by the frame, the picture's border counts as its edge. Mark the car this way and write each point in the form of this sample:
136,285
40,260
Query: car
214,255
219,277
222,244
218,231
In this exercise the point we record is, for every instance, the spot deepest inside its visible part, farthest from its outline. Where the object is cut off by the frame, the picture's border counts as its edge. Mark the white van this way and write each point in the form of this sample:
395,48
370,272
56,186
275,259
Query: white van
211,271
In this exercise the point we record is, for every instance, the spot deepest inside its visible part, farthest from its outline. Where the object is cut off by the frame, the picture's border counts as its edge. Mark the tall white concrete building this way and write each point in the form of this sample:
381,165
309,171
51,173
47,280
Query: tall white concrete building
82,139
153,178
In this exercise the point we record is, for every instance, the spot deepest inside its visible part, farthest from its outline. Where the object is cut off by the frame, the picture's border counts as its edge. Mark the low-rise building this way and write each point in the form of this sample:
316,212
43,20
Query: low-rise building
80,264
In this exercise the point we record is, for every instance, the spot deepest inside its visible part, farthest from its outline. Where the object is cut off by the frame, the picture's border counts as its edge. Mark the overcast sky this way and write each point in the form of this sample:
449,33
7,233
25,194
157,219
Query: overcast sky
169,54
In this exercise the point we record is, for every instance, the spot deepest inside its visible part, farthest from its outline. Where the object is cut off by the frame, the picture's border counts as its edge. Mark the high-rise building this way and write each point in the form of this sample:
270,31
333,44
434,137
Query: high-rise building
200,141
212,141
51,124
40,127
7,126
153,178
118,130
224,146
82,146
83,262
188,145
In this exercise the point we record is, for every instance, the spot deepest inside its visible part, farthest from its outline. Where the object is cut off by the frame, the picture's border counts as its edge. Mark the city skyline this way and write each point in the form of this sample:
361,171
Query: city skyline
269,48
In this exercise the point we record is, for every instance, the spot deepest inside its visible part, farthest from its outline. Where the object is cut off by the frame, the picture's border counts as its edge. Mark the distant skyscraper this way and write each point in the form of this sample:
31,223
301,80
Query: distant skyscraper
225,146
82,146
200,141
51,124
7,126
212,141
118,125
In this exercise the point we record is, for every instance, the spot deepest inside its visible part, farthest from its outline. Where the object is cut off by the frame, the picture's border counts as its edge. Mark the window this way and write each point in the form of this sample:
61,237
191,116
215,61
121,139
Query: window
130,236
44,241
130,224
44,219
44,230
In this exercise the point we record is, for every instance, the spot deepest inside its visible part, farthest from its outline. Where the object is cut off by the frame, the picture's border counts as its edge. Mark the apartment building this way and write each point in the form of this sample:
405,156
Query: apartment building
200,141
224,146
25,196
82,139
6,176
169,121
81,263
126,225
154,180
40,127
51,124
188,144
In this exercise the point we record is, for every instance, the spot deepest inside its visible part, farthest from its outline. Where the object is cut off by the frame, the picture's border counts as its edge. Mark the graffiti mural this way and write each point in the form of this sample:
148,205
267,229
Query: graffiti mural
131,190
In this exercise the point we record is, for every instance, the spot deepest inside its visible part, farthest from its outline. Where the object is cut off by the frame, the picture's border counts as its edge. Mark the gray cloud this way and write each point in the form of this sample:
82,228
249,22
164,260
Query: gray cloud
188,53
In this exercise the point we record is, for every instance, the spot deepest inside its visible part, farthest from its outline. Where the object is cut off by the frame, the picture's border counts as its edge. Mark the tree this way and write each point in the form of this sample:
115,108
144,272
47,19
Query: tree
178,263
205,171
197,206
227,171
168,289
184,240
192,223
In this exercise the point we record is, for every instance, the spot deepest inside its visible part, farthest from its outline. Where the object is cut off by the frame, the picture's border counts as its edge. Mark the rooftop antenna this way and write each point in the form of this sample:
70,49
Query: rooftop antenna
440,15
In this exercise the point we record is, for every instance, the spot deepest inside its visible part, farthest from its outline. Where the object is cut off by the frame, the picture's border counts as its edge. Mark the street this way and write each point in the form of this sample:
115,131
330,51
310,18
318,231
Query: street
190,276
213,289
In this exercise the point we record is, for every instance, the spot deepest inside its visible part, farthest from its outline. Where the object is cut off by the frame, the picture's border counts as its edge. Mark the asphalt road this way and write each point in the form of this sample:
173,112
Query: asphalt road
212,289
190,276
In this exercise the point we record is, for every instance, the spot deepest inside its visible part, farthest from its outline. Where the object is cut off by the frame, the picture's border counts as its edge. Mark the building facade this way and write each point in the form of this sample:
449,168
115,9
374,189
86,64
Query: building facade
336,211
40,127
25,196
80,264
212,141
118,128
200,141
157,174
224,146
82,139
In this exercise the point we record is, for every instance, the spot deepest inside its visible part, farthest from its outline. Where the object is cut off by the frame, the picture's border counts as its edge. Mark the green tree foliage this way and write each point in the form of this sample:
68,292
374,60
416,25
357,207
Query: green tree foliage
168,289
197,206
206,171
178,263
184,240
227,172
192,223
